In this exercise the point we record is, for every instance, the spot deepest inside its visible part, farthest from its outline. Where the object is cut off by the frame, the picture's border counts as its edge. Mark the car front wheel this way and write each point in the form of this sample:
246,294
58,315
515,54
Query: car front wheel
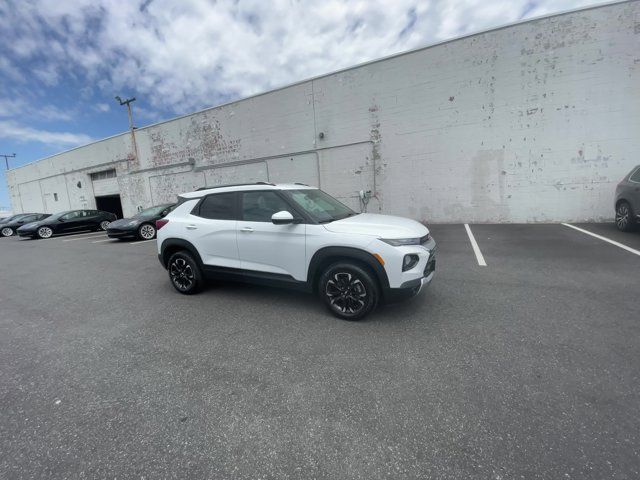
7,232
349,291
185,273
624,217
146,232
104,224
45,232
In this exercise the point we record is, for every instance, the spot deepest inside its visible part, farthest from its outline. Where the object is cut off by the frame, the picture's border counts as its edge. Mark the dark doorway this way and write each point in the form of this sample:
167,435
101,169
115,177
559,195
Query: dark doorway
110,203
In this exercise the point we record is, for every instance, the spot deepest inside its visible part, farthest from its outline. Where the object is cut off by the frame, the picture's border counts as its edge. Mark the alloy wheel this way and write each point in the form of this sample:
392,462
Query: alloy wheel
622,216
104,224
346,293
147,231
7,232
182,274
45,232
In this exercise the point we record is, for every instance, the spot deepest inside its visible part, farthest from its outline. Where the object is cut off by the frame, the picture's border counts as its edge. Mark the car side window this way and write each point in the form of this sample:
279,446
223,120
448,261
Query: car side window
28,219
70,215
220,206
636,176
260,206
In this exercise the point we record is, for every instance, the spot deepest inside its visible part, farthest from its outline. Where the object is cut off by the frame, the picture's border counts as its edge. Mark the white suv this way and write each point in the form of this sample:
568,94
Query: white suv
296,236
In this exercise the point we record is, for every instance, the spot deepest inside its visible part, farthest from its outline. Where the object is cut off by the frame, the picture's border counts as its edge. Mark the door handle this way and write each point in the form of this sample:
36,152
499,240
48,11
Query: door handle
246,229
191,227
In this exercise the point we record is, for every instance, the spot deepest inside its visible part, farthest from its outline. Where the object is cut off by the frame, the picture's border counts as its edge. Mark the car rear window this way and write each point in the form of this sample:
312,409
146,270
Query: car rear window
221,206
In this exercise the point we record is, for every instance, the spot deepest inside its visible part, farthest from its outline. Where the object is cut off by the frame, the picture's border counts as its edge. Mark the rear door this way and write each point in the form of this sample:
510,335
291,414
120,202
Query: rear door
211,227
265,247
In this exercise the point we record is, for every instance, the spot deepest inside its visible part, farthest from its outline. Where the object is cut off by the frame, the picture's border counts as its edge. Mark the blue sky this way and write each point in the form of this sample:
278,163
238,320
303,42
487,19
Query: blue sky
63,61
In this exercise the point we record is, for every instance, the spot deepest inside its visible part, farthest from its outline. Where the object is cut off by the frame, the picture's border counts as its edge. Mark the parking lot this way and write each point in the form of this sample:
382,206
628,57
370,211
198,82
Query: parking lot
524,368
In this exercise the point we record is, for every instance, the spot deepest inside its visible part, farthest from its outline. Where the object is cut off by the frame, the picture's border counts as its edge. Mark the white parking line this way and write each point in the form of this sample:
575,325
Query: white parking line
475,247
84,237
604,239
100,241
142,241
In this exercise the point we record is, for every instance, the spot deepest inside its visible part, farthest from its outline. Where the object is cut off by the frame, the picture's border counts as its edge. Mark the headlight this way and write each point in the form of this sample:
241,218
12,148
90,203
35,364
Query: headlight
399,242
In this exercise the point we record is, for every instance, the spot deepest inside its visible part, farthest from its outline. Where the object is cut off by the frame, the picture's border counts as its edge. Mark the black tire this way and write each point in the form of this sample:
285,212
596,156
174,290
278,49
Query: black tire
7,232
348,290
184,273
44,232
146,231
624,217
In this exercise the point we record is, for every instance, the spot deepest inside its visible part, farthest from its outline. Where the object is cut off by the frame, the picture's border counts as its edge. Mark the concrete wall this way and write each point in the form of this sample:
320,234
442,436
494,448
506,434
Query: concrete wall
533,122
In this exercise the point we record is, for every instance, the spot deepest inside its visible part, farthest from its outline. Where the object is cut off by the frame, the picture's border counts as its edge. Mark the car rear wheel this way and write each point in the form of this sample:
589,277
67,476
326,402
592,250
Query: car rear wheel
104,224
349,291
45,232
184,273
624,217
7,232
146,231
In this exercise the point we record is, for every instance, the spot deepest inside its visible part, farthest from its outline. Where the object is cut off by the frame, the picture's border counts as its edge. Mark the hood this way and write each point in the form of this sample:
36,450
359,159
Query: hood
123,221
383,226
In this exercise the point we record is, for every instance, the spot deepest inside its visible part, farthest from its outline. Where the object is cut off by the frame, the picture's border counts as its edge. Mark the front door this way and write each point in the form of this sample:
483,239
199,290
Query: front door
72,221
265,247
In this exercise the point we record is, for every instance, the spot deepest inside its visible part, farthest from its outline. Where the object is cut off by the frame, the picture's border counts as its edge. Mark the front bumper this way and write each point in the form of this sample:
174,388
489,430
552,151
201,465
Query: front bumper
412,288
121,232
27,233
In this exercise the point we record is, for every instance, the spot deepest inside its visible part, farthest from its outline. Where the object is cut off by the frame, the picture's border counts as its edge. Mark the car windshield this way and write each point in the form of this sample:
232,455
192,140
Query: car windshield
151,212
320,206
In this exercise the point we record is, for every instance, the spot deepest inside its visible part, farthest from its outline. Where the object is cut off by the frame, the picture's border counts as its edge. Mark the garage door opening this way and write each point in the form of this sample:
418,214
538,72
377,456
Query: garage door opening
110,203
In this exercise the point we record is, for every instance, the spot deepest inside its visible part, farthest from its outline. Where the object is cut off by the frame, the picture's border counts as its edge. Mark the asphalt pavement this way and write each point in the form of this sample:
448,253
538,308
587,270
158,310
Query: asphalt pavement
524,368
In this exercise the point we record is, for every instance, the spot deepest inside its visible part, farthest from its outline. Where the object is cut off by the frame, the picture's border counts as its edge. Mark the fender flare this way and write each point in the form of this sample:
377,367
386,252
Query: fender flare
184,245
347,253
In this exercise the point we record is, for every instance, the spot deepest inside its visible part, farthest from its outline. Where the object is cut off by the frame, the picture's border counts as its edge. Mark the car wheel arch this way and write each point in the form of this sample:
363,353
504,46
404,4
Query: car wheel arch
173,245
329,255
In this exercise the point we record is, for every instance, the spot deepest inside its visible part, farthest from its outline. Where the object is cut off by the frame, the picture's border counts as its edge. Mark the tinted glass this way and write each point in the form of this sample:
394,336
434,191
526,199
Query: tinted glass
260,206
321,206
153,211
220,206
71,215
636,176
29,218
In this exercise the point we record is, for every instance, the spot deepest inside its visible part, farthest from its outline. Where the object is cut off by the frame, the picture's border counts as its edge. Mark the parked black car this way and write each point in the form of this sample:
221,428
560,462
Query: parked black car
142,225
628,201
67,222
9,226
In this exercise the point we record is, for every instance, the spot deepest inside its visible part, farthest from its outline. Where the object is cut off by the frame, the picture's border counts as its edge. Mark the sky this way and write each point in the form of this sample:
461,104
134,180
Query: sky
63,61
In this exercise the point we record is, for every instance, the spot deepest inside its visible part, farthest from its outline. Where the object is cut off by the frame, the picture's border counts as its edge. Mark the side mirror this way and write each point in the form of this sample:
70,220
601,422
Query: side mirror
282,218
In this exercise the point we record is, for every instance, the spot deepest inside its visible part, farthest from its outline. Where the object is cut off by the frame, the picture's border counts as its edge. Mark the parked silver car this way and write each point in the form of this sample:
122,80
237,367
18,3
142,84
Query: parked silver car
628,201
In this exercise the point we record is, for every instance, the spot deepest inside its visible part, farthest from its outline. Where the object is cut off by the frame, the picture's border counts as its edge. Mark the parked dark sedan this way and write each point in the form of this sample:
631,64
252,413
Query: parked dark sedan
142,225
628,201
9,225
67,222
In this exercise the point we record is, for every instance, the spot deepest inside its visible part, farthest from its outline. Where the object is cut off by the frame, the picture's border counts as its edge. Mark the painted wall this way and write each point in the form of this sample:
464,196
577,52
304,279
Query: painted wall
533,122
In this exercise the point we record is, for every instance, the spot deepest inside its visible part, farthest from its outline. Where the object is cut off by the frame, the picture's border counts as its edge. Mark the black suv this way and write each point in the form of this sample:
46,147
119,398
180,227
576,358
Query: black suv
628,201
67,222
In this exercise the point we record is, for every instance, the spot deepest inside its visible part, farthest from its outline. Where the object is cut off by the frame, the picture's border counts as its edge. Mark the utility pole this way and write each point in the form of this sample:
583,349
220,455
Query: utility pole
7,157
128,102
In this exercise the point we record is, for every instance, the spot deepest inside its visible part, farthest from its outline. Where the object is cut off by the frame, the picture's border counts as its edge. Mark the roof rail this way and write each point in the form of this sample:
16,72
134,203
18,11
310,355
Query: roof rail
234,185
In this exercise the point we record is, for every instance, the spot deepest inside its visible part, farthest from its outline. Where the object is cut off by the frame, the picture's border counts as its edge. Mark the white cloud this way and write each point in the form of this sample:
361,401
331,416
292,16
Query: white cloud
102,107
183,55
10,130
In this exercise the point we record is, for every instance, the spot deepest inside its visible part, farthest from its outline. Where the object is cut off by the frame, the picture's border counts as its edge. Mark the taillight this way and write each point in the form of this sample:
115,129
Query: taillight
161,223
